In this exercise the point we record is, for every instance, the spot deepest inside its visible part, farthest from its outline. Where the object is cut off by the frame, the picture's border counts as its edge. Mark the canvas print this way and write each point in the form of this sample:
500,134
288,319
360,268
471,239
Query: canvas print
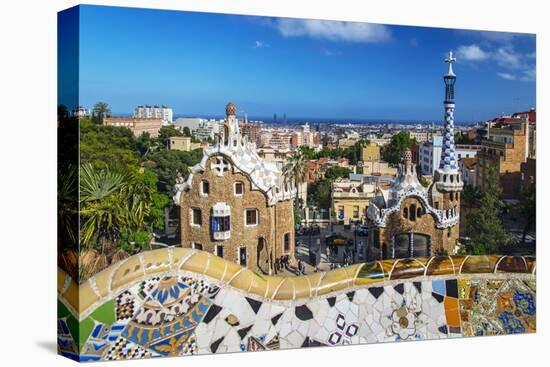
232,183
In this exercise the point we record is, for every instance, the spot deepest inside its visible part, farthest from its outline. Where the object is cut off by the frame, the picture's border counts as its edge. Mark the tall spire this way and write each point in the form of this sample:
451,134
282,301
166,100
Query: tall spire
448,176
448,155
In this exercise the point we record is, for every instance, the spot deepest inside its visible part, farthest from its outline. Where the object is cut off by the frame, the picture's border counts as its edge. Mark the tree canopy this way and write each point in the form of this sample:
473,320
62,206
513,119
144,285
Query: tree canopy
484,227
393,152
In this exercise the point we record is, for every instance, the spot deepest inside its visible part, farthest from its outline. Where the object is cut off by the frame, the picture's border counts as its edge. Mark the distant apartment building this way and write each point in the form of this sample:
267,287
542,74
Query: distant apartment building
420,136
346,143
193,123
380,141
207,129
429,154
275,138
81,112
467,167
370,152
137,125
378,168
528,174
305,137
252,131
415,153
505,150
183,143
154,112
350,198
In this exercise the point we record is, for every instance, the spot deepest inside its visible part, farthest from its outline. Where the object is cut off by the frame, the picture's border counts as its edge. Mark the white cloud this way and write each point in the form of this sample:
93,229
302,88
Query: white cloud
527,75
333,30
507,76
508,58
328,52
472,53
517,66
260,44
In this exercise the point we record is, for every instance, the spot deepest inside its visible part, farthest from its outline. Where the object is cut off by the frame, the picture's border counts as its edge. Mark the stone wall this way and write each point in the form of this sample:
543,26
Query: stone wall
182,302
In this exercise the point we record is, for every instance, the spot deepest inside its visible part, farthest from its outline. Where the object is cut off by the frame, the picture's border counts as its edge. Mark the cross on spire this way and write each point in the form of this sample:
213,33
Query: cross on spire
450,59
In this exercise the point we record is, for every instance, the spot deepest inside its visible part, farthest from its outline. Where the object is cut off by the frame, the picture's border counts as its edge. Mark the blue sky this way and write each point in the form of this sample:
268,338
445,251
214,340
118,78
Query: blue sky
196,62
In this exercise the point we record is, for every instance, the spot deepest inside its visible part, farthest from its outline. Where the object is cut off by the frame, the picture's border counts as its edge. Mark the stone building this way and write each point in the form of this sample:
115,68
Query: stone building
504,151
410,220
137,125
370,152
183,143
235,204
350,198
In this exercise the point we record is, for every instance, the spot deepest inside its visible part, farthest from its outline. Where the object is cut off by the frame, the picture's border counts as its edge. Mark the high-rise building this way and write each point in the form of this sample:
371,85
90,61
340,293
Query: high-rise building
158,112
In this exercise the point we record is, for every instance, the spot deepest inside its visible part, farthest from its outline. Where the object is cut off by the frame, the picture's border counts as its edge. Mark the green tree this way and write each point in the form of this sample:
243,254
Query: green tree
335,172
166,163
309,153
353,153
319,193
462,138
144,144
393,152
119,209
470,197
107,145
484,227
100,111
165,133
295,171
528,210
186,131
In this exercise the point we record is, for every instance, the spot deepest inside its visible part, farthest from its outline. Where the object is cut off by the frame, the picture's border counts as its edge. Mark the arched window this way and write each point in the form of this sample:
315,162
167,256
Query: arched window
419,212
406,213
412,212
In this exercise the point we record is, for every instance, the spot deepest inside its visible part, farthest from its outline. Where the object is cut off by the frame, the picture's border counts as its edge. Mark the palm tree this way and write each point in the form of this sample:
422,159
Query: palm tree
295,171
100,111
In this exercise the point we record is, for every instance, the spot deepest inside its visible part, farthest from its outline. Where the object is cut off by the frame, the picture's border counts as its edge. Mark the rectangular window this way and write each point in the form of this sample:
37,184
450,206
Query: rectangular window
221,224
356,212
242,256
197,246
286,242
196,218
239,188
205,187
219,250
251,217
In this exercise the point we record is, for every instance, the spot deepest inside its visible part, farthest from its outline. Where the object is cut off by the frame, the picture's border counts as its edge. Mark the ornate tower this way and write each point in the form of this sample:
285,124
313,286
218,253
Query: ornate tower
447,176
230,130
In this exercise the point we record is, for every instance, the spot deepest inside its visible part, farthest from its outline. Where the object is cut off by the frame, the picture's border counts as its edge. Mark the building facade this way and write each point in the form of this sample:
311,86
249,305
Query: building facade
370,152
504,152
410,220
154,112
235,204
429,154
350,199
183,143
137,125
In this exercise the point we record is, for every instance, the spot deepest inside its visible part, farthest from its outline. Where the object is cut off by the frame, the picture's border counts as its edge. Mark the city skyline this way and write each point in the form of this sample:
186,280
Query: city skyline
304,68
